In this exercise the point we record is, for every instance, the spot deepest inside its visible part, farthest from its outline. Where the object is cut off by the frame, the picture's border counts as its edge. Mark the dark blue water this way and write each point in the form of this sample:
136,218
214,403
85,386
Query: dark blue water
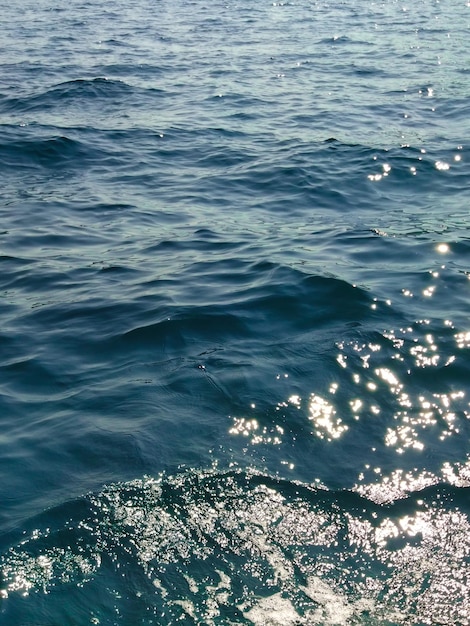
234,314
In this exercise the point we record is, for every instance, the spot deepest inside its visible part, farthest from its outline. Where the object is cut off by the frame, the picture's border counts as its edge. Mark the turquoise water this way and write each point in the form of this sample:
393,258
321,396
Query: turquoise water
234,330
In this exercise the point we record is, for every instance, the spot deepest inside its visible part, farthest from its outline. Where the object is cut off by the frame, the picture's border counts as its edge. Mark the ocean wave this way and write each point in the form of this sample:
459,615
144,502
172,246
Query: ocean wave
79,92
240,547
31,152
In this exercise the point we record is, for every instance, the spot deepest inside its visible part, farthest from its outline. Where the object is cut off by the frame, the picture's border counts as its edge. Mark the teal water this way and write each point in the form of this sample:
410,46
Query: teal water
234,330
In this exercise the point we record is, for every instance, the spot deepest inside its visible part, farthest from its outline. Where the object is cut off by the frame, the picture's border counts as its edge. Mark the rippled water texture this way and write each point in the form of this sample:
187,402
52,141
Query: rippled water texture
234,329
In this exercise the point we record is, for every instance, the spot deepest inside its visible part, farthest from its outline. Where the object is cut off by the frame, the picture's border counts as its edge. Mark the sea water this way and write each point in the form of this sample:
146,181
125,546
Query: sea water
234,314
